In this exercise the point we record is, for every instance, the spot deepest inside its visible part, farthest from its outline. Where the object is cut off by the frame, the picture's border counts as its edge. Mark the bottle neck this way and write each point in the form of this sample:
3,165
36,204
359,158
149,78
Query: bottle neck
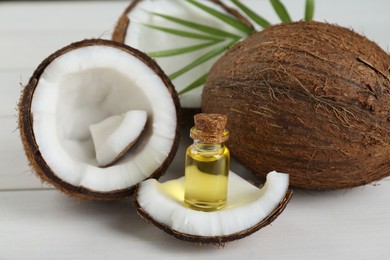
208,147
198,143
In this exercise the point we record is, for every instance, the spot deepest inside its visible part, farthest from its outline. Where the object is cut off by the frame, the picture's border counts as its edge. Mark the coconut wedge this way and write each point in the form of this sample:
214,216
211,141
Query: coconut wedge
82,85
115,135
142,26
247,210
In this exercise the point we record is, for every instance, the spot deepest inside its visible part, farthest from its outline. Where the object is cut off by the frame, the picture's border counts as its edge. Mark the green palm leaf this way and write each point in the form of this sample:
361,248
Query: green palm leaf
196,83
199,27
205,57
281,11
215,35
224,17
255,17
184,33
309,10
179,51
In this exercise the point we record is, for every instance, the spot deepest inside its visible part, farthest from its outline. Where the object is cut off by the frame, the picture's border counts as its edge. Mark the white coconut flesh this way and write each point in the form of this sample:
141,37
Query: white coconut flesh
116,134
152,40
88,85
246,205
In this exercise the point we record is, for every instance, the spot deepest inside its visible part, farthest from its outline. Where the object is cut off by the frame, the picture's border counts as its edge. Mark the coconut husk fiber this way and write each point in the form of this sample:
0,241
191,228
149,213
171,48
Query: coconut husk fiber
308,98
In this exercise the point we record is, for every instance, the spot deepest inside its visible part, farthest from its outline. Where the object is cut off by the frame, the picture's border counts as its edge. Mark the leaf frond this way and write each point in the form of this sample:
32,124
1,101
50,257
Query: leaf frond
179,51
309,10
223,17
195,84
281,11
251,14
205,57
199,27
183,33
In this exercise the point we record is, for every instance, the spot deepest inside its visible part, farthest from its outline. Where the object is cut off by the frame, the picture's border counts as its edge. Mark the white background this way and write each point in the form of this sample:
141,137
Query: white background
38,222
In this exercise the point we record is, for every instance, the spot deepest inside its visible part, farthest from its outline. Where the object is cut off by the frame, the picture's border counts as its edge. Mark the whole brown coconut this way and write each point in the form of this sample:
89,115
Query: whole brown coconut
307,98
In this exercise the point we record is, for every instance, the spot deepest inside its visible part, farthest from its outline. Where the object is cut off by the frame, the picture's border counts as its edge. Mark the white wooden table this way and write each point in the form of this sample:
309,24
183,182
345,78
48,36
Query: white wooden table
38,222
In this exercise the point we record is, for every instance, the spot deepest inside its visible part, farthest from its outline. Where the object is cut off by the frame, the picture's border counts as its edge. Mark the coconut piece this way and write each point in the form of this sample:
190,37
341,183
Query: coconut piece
81,85
247,209
308,98
130,29
115,135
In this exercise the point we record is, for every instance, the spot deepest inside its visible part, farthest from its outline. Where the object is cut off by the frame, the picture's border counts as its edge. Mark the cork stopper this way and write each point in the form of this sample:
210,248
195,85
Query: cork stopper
210,128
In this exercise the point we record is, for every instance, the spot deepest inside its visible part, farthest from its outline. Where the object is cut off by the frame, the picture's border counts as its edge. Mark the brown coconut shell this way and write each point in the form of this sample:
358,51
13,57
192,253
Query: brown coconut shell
217,240
308,98
37,162
120,33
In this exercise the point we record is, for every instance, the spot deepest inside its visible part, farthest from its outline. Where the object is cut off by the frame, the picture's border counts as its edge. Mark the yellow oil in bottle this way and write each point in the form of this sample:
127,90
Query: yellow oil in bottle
206,176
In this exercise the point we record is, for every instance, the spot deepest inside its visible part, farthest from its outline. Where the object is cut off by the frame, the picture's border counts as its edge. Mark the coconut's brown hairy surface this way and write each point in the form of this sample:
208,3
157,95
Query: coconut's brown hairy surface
31,148
307,98
216,240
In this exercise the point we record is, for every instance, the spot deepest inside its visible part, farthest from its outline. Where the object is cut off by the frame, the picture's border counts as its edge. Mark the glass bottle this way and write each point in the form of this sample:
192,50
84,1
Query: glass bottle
207,164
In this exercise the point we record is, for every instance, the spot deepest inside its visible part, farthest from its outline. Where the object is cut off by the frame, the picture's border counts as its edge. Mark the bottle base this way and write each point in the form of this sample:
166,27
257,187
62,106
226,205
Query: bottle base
204,205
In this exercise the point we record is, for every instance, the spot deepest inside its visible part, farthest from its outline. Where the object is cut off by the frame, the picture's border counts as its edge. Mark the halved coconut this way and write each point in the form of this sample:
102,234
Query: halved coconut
84,84
131,29
248,209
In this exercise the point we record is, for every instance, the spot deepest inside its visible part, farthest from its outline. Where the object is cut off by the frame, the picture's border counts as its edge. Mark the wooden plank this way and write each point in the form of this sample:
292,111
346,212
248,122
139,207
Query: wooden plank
11,87
33,30
45,224
353,224
15,173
